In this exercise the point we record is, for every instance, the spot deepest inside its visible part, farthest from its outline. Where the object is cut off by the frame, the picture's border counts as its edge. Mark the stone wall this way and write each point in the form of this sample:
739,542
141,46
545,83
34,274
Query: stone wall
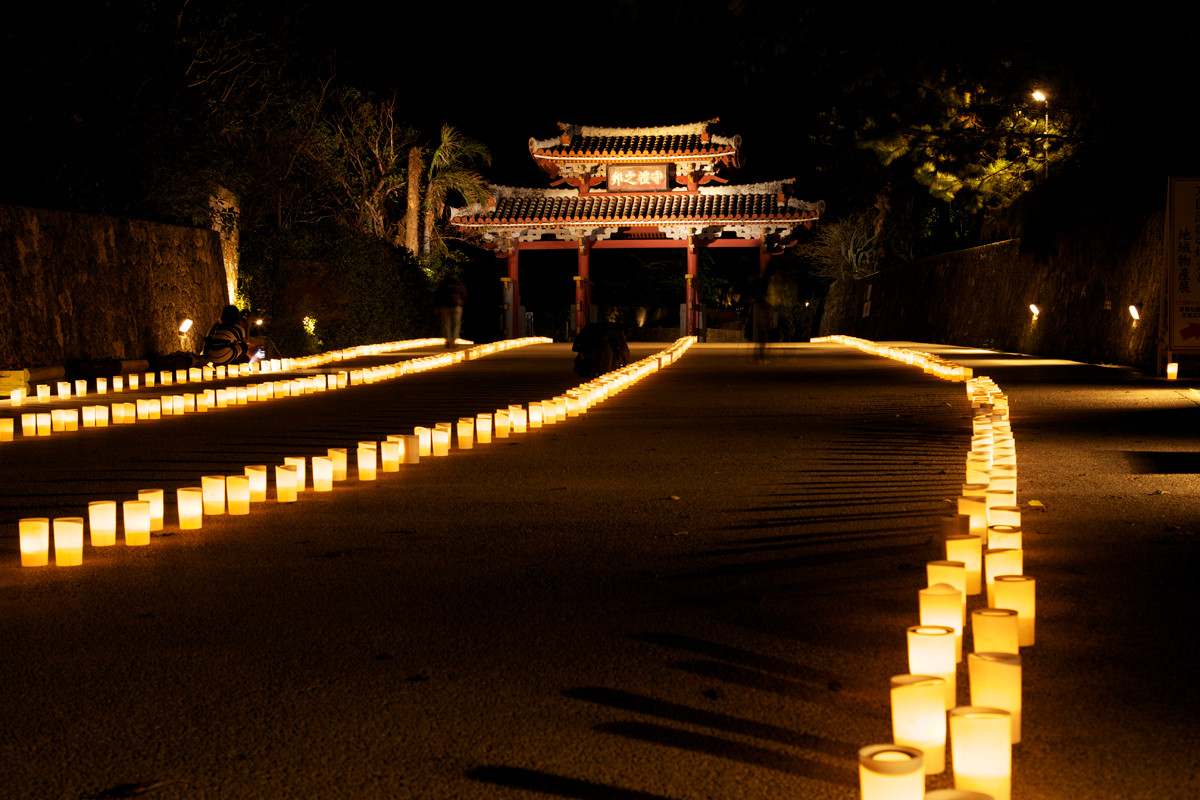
1082,284
75,286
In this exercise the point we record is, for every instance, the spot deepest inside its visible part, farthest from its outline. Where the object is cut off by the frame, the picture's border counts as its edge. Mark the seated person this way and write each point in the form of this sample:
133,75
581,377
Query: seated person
226,341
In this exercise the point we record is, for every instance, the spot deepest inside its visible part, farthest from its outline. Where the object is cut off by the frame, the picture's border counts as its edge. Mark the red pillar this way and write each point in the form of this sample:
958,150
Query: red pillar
583,286
692,294
513,314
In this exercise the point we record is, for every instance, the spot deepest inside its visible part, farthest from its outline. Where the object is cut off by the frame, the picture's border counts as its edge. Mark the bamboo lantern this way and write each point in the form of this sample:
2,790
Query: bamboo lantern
64,390
285,484
466,433
35,541
16,397
995,630
237,488
102,522
45,424
322,473
425,437
189,500
1004,537
891,772
137,522
483,428
214,494
1001,562
155,498
300,463
501,424
6,430
943,604
995,680
968,549
981,746
367,461
535,415
338,456
931,652
118,383
80,388
441,441
1018,592
68,541
412,448
389,455
258,482
919,717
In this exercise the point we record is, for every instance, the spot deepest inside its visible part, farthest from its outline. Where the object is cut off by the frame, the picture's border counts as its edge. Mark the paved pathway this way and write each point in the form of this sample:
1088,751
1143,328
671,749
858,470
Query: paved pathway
698,590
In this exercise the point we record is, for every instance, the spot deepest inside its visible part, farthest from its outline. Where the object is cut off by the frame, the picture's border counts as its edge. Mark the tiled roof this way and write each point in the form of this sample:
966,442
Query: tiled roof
583,143
566,208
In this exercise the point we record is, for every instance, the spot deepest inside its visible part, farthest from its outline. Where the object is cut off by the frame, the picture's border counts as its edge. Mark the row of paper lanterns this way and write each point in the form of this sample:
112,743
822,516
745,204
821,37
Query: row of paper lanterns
69,419
209,373
235,494
983,555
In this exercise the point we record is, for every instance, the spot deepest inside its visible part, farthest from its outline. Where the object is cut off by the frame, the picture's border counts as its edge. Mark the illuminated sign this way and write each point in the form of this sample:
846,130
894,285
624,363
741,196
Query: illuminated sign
638,178
1182,258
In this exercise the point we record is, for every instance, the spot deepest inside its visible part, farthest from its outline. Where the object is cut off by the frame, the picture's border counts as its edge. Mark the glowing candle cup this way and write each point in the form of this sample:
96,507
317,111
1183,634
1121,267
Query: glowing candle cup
1001,562
285,484
237,492
919,717
995,630
35,541
931,652
189,500
257,473
68,541
466,433
1018,592
155,498
322,473
367,461
136,514
102,522
891,772
981,747
301,465
995,680
943,604
338,456
969,550
214,494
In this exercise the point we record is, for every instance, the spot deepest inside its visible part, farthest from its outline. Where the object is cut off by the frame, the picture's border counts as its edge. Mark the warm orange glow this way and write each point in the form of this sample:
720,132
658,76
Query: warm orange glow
995,680
931,652
68,541
891,772
155,498
919,717
102,521
190,502
981,746
137,522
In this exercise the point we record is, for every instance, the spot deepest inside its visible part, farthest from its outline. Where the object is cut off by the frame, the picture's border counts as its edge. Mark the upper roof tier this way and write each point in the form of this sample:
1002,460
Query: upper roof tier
581,149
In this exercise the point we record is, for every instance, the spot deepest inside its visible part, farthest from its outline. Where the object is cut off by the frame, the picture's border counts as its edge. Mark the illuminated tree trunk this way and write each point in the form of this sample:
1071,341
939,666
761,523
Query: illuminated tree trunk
413,211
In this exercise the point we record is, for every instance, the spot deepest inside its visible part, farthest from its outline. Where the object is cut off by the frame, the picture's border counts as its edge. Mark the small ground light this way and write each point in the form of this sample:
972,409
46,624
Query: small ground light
1133,312
1033,309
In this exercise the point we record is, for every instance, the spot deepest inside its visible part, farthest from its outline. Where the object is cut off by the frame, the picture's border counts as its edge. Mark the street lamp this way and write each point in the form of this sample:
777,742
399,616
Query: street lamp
1040,97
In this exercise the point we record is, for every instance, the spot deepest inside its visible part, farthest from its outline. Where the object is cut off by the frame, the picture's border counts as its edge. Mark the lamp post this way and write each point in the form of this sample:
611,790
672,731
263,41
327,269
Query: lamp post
1040,97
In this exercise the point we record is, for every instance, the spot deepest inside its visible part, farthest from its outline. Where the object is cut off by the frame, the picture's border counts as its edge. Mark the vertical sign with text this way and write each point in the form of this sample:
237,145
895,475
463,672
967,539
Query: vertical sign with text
1182,244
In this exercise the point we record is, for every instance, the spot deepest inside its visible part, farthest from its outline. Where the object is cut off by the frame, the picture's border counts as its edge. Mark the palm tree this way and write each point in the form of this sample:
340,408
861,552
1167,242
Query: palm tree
451,169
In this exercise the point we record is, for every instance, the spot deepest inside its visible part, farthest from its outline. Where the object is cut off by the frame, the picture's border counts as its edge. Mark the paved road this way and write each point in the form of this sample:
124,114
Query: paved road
698,590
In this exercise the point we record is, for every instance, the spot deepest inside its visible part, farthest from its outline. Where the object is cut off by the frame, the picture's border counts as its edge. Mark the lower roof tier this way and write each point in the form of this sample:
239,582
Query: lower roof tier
749,211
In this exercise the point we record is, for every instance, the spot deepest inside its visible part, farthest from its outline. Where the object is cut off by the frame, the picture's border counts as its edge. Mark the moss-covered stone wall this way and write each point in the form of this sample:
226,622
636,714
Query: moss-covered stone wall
1082,285
76,286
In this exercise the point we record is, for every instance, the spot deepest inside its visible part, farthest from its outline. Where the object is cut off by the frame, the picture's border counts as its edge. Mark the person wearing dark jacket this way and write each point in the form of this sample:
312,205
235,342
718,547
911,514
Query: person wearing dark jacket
226,340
